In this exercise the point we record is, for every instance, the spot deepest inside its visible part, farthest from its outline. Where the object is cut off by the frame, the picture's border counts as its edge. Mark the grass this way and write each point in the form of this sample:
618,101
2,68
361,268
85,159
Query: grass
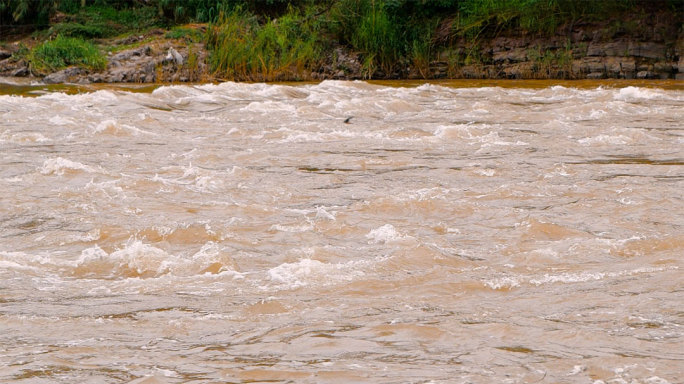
184,33
265,40
62,52
283,48
103,21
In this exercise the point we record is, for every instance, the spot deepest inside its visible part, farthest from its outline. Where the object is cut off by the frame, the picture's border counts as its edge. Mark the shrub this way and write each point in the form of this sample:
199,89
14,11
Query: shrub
279,49
65,51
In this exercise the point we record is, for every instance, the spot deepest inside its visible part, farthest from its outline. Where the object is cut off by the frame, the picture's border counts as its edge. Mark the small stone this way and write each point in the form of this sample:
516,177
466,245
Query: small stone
20,72
596,75
645,75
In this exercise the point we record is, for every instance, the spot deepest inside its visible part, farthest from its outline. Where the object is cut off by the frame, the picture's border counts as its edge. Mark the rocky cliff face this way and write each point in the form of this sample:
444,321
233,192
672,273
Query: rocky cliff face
641,46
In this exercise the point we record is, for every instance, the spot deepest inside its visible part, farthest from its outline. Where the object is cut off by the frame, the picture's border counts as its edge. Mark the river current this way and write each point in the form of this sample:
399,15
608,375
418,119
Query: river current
343,232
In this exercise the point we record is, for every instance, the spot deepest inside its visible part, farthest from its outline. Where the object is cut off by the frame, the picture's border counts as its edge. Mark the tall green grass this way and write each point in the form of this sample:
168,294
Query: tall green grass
279,49
62,52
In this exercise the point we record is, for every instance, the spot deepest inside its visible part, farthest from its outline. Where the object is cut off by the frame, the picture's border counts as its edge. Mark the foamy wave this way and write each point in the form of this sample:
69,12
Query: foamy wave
637,93
112,127
23,137
308,271
507,282
292,228
198,179
59,165
510,282
59,120
588,276
605,140
385,234
139,260
269,106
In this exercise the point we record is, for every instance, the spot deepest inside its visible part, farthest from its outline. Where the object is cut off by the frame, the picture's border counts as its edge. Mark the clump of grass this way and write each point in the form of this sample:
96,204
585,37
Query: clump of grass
65,51
371,29
280,49
187,34
88,31
102,21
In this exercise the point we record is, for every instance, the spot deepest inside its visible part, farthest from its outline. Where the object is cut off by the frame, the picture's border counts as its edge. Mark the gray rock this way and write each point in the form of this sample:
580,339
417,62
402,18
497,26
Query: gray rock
95,78
4,54
516,55
628,65
596,75
21,71
62,76
645,75
616,48
665,67
130,53
680,76
592,64
174,56
680,64
613,65
648,50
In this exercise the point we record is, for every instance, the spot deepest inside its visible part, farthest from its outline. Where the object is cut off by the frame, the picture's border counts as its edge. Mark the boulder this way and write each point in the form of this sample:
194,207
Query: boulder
62,76
4,54
173,56
615,48
21,71
130,53
648,50
592,64
515,55
646,75
665,67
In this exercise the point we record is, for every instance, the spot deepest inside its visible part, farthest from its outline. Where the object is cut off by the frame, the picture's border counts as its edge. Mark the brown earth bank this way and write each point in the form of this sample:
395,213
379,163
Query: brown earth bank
640,46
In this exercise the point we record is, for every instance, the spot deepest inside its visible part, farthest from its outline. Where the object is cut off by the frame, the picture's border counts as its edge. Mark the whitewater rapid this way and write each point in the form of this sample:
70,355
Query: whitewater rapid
446,233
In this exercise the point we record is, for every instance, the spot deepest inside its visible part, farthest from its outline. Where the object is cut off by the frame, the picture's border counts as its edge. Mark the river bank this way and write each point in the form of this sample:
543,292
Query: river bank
645,43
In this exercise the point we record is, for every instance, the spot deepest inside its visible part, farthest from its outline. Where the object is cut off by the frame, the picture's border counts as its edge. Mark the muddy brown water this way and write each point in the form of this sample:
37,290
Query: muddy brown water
452,232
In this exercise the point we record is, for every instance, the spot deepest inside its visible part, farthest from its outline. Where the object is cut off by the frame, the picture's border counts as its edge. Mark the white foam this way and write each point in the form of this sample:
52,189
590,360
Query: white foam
308,271
292,228
385,234
507,282
139,260
605,140
23,137
112,127
59,120
59,165
636,93
322,213
589,276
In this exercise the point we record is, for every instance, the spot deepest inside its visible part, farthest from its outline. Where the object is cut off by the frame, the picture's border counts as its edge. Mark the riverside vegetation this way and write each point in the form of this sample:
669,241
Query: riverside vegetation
282,40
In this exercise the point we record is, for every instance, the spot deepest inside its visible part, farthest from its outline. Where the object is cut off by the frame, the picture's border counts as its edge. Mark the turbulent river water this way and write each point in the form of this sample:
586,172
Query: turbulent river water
343,232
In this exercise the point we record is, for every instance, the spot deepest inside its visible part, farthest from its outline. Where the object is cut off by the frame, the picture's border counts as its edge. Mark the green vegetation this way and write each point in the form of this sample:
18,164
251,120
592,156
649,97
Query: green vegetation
280,48
279,39
65,51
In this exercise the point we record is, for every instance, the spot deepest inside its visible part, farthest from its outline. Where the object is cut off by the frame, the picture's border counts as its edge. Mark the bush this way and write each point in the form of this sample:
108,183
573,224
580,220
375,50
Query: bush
89,31
243,49
63,52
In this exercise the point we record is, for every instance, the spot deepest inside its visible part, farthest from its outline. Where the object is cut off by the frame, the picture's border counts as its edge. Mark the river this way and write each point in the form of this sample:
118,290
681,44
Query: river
342,232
